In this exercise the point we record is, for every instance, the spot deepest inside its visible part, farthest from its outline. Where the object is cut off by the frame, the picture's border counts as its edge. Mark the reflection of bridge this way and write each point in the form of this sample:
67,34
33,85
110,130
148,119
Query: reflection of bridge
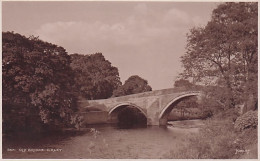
155,105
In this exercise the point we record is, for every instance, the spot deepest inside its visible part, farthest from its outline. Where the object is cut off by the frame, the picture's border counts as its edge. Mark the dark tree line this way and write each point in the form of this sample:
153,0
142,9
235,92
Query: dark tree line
36,83
41,83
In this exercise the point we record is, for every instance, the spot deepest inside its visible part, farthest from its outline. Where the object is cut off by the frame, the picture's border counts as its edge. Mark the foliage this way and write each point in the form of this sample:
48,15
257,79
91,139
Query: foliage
229,114
36,82
216,140
247,120
192,102
182,83
216,98
76,120
224,52
189,114
95,77
133,85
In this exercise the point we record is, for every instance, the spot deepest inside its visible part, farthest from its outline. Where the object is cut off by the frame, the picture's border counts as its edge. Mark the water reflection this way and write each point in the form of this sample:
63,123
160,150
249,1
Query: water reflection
108,141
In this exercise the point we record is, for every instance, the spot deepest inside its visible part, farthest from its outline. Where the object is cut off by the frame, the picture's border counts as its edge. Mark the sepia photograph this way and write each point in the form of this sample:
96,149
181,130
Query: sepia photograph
129,80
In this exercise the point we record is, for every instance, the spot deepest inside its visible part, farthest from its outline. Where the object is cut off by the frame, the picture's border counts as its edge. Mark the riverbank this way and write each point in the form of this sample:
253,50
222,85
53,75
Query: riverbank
187,123
218,139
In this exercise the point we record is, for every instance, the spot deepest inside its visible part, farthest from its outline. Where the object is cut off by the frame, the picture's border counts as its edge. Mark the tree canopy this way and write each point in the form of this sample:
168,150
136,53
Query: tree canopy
182,83
133,85
224,52
36,81
95,77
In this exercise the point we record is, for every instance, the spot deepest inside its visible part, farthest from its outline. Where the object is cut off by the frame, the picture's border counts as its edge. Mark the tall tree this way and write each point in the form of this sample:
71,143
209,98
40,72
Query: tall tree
95,77
133,85
224,52
36,82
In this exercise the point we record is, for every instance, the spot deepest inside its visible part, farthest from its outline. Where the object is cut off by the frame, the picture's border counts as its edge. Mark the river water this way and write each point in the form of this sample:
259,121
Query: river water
103,142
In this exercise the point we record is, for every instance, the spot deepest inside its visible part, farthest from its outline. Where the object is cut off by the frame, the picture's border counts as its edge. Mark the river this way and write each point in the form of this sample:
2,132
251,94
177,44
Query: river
103,142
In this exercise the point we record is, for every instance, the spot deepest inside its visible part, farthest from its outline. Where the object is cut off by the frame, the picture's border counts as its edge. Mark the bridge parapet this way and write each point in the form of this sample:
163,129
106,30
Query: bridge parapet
151,93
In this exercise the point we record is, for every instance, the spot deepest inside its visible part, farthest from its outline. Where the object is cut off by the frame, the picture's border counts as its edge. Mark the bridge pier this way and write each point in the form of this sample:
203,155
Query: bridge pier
163,121
112,119
157,121
151,121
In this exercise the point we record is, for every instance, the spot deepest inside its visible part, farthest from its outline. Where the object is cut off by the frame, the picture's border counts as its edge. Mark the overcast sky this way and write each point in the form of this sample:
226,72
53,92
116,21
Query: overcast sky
139,38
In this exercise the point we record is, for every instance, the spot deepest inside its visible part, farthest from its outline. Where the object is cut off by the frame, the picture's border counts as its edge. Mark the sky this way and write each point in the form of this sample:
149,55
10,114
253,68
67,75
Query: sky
139,38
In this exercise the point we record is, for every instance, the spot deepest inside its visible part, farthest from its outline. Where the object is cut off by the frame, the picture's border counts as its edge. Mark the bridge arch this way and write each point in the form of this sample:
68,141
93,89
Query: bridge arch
129,118
168,108
127,104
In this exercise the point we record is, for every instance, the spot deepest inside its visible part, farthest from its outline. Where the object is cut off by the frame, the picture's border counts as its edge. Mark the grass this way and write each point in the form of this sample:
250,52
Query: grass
218,140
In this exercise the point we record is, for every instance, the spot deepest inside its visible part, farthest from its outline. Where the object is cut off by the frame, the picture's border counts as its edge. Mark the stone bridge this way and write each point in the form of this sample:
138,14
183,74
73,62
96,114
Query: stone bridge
155,105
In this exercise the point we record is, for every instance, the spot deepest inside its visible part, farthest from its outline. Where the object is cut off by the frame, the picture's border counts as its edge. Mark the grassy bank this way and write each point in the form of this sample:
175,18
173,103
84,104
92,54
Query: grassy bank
218,140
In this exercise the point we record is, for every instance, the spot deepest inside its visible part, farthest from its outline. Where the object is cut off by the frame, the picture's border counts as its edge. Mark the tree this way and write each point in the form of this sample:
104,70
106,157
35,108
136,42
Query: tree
132,85
182,83
36,83
224,52
95,77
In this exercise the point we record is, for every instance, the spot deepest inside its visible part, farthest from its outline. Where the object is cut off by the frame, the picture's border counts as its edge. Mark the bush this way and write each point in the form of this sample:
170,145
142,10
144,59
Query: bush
77,120
229,114
247,120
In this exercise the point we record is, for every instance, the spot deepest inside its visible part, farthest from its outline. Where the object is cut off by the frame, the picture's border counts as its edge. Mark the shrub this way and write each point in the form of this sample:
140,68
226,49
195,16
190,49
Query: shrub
77,120
247,120
230,114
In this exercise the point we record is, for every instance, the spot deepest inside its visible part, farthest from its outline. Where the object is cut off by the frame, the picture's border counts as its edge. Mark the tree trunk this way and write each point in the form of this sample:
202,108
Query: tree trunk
231,100
249,103
251,95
